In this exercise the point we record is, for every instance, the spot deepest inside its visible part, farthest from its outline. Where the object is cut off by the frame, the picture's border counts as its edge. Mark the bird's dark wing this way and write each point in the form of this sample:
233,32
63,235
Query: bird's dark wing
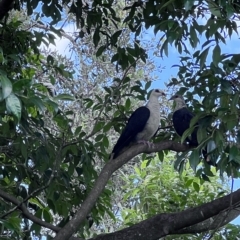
181,122
135,125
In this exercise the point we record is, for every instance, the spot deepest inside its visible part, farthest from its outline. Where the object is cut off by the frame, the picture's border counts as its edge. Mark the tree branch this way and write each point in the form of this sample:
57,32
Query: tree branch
172,223
212,223
72,226
22,207
5,7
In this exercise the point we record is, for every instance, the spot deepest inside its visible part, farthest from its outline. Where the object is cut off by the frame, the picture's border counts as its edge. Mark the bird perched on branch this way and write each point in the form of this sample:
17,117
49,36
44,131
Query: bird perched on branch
181,121
142,124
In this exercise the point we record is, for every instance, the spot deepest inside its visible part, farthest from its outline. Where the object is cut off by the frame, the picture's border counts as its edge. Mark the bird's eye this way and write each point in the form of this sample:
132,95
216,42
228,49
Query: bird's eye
157,90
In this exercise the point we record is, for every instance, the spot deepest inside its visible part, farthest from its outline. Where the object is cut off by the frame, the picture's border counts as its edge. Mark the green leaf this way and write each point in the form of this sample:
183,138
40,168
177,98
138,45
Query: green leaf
36,202
13,105
187,133
230,10
115,36
65,97
188,182
196,186
194,38
216,55
148,85
128,104
194,159
20,84
24,150
8,225
235,100
47,216
166,4
231,120
115,58
203,57
201,134
6,86
188,4
161,156
78,130
196,54
214,9
180,159
137,170
98,126
194,120
99,137
218,137
37,102
100,51
144,164
107,127
208,171
233,153
96,37
211,146
164,48
132,51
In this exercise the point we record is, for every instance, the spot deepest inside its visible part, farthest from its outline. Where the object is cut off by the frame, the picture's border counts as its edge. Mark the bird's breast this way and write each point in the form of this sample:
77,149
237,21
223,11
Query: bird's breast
150,127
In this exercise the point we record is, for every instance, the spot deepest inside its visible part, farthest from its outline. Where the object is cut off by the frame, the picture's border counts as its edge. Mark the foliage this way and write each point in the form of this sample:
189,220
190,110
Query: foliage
155,187
58,118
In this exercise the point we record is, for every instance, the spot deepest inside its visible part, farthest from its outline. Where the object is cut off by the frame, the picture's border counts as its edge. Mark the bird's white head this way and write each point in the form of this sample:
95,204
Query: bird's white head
157,93
179,101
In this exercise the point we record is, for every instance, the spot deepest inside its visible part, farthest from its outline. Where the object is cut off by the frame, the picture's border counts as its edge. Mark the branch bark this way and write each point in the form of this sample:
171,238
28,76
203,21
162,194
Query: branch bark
212,223
5,7
172,223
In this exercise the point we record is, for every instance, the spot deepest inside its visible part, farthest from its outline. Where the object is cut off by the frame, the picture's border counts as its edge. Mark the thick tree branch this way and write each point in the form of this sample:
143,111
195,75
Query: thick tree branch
212,223
5,6
171,223
72,226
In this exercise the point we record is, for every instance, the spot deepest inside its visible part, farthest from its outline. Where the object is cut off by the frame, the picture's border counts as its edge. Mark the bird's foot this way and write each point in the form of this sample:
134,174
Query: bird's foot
149,144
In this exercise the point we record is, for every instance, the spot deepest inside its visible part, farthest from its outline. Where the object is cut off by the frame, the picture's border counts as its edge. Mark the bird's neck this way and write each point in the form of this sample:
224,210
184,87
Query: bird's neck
179,105
153,102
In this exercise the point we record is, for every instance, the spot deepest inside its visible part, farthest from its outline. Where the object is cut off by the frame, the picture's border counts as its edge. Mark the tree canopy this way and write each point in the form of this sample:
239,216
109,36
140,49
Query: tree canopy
61,116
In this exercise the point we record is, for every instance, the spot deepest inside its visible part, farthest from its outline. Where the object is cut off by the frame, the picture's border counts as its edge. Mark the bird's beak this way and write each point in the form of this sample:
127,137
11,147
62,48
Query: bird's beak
171,98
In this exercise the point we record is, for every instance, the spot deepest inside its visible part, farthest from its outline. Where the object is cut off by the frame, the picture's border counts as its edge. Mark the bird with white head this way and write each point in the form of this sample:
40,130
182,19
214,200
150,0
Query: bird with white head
142,124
